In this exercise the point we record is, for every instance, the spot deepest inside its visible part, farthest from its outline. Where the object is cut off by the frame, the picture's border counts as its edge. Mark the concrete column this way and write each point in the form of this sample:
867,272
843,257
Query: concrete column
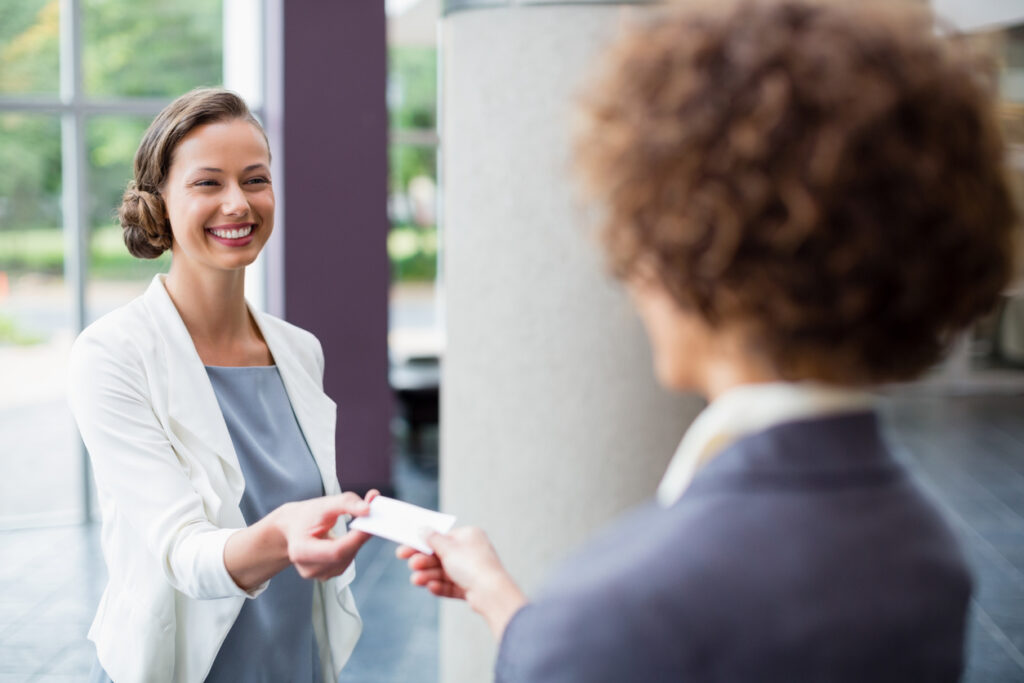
552,421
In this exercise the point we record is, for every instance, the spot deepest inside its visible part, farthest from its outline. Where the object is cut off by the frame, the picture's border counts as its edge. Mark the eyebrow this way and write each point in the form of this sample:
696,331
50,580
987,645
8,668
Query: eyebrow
250,167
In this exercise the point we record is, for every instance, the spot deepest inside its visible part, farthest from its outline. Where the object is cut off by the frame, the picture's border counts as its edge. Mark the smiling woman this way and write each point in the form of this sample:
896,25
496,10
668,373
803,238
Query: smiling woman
210,435
218,192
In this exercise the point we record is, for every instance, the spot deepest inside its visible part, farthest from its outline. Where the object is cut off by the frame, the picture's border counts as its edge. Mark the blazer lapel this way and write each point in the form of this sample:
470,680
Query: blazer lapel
191,403
315,411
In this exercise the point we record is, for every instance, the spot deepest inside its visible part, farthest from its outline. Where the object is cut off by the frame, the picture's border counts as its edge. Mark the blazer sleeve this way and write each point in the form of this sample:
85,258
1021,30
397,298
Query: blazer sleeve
567,640
136,466
584,630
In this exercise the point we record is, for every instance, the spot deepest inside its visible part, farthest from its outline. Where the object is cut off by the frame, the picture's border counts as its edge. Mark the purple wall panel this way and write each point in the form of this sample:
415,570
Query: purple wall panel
335,129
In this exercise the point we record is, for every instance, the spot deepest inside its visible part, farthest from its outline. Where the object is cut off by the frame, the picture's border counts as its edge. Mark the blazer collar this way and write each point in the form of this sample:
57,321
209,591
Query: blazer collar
315,411
749,409
825,452
192,404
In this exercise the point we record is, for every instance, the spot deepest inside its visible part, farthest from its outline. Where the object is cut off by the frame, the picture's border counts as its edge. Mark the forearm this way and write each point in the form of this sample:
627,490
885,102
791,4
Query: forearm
255,554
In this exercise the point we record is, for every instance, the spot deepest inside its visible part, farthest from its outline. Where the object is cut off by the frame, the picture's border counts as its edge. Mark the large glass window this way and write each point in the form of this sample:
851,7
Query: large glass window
412,242
151,48
997,345
79,82
1009,333
115,276
412,201
412,87
29,47
40,477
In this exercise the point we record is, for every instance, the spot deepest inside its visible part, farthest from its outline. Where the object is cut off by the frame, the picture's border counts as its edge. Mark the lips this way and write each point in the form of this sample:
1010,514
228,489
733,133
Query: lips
234,235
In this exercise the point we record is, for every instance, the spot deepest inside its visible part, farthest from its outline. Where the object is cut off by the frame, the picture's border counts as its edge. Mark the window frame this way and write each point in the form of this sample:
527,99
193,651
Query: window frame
243,19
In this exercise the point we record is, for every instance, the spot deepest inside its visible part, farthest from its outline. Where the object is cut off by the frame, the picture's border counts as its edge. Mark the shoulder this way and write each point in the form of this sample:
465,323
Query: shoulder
114,356
668,592
620,609
120,334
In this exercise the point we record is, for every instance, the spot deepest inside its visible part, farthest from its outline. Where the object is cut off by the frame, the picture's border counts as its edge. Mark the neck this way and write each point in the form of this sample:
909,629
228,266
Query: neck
718,379
728,363
211,304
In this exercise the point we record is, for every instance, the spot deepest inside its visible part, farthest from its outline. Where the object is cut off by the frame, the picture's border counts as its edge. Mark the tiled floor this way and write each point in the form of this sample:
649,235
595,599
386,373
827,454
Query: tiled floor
51,581
969,453
399,642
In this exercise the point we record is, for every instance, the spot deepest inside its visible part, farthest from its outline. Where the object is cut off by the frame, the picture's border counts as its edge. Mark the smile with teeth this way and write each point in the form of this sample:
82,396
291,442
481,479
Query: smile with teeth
232,234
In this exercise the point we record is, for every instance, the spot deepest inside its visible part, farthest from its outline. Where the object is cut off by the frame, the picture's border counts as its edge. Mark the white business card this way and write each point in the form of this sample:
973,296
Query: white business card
402,522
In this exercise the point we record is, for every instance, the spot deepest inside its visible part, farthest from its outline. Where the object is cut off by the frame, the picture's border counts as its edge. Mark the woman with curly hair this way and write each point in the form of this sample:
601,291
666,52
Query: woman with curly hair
804,200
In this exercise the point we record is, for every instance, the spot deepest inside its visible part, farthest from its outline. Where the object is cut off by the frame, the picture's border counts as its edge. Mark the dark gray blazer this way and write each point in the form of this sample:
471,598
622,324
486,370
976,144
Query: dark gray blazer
802,553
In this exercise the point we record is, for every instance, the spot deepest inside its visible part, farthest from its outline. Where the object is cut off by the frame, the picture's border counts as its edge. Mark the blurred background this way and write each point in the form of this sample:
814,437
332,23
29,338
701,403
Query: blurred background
67,155
79,82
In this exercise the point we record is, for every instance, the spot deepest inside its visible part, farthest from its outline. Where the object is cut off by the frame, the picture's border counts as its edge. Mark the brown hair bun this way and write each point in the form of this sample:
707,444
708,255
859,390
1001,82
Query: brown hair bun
147,232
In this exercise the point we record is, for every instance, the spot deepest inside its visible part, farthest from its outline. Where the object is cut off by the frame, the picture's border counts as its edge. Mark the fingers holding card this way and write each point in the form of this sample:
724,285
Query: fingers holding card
403,522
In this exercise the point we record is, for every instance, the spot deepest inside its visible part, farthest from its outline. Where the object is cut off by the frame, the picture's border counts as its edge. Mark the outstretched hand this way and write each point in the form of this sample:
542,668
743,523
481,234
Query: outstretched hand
312,547
465,566
297,533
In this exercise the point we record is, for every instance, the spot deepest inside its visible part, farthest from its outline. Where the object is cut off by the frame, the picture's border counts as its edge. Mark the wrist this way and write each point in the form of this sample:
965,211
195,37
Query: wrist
256,553
275,532
496,598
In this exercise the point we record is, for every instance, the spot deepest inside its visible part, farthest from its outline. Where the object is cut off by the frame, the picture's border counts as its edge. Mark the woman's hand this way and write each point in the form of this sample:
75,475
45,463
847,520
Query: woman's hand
306,526
465,566
297,533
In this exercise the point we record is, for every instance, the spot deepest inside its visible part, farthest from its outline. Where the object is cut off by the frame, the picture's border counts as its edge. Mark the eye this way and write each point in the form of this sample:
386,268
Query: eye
259,180
205,183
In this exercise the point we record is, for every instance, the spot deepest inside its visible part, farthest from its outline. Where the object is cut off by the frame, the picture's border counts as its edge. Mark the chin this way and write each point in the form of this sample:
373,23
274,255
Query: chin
237,264
674,378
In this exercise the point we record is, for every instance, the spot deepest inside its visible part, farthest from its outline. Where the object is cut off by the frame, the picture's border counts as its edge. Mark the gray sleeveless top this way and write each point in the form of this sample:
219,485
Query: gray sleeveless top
272,639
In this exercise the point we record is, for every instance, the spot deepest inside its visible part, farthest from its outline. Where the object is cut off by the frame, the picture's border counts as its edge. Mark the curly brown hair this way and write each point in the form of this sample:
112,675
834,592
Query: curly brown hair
829,178
143,216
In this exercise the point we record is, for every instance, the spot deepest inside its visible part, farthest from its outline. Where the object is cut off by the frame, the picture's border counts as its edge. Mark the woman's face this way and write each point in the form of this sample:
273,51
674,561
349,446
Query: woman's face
679,341
689,354
218,196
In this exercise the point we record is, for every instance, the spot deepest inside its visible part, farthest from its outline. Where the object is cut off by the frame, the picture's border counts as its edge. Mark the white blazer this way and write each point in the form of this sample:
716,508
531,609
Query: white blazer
169,486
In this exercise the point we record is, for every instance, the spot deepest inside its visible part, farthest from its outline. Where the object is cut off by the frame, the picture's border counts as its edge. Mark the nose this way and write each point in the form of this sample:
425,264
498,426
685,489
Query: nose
235,202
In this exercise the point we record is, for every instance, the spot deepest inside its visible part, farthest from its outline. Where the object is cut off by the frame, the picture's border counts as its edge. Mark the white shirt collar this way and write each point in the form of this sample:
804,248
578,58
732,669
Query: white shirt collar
747,409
